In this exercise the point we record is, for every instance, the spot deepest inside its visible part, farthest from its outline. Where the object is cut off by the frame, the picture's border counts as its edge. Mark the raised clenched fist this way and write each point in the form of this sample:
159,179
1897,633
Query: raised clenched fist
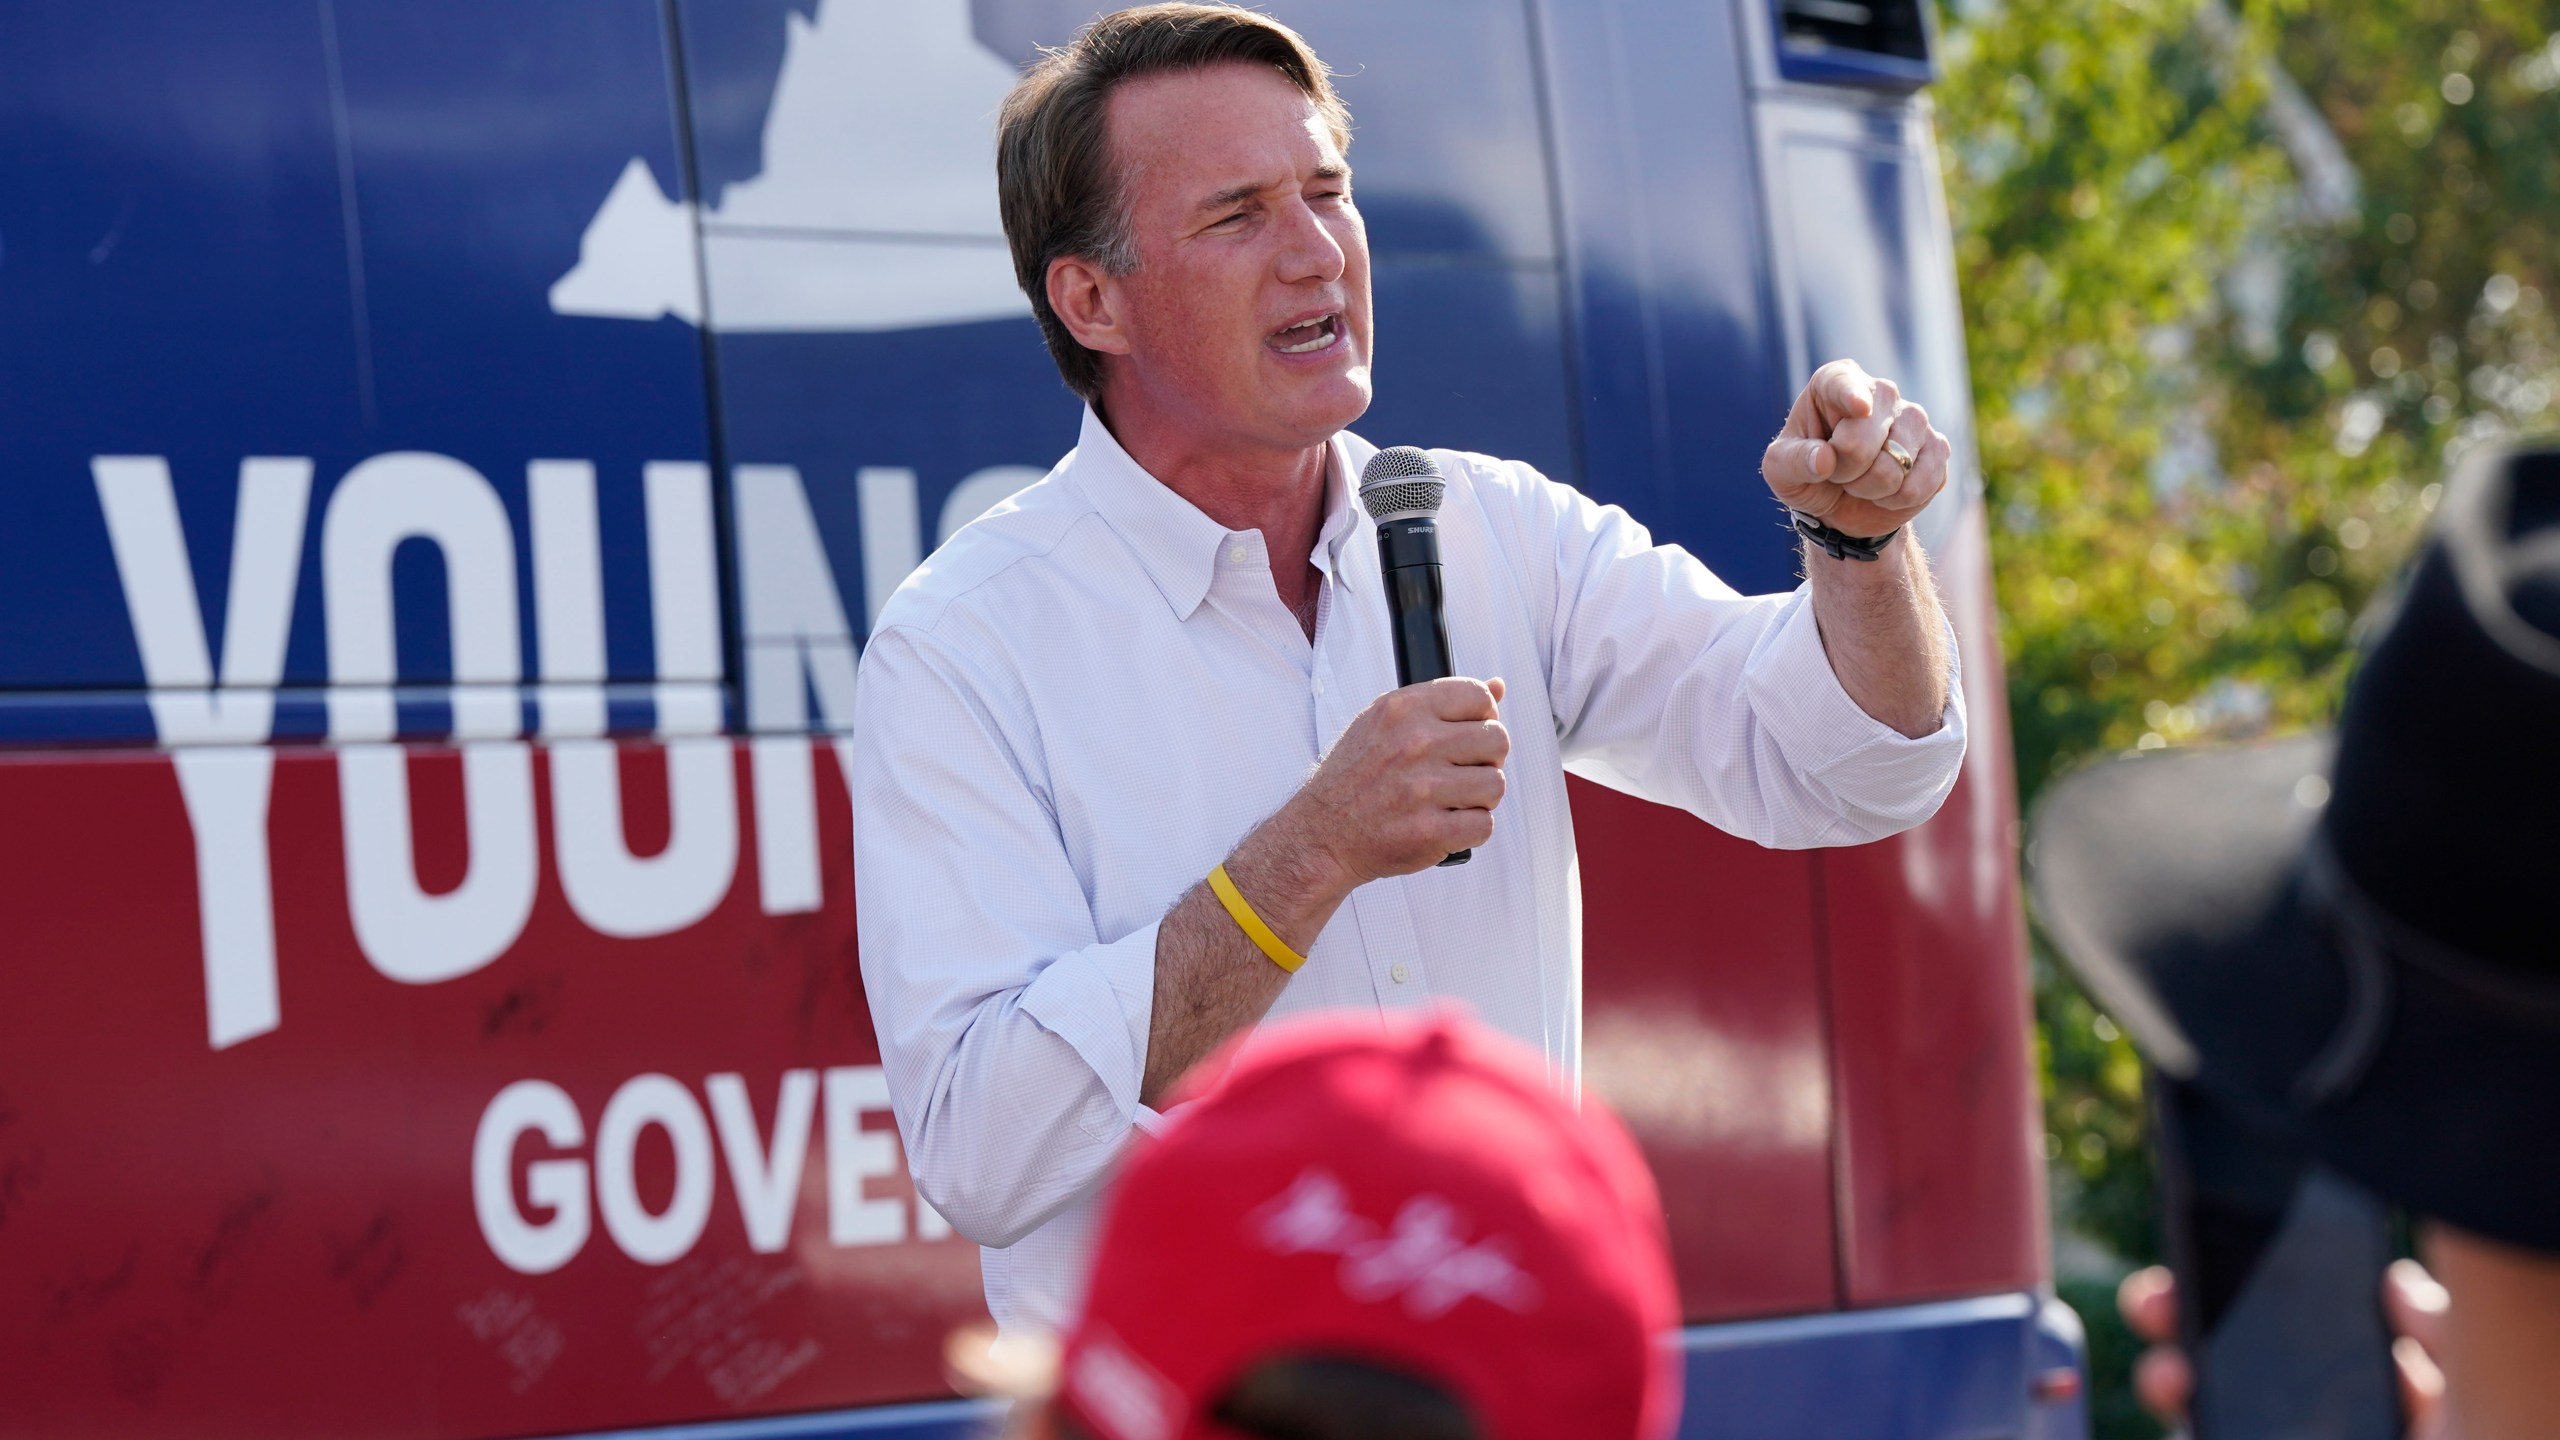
1835,459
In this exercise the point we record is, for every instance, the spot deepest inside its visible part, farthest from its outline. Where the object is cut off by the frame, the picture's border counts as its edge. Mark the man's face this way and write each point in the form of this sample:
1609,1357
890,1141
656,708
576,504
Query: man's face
1248,312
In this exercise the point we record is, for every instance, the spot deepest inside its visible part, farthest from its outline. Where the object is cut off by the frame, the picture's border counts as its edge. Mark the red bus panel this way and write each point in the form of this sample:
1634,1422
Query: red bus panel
298,1234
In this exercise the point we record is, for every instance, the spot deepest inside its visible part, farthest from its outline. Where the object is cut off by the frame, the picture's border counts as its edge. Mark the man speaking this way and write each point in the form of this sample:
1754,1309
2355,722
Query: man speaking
1131,766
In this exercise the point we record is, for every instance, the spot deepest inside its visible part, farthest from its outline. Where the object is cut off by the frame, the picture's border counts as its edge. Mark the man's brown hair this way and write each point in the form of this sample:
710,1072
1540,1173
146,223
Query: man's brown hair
1062,194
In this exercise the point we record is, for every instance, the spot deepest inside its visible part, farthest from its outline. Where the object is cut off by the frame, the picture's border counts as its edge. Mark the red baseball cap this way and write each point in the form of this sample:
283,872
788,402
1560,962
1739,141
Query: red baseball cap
1418,1196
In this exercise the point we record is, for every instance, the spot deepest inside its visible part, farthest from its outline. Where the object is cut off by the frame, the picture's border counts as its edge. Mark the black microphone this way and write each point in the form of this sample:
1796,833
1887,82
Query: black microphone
1401,490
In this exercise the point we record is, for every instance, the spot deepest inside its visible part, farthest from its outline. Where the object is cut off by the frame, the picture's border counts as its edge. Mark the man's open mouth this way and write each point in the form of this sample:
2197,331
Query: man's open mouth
1309,337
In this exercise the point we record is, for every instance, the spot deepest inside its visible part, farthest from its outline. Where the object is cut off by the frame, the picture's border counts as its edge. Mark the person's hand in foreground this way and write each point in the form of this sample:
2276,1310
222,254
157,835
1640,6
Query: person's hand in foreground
2412,1301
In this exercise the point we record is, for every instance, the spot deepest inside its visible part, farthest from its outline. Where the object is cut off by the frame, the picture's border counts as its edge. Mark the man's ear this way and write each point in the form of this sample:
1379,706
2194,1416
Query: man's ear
1088,301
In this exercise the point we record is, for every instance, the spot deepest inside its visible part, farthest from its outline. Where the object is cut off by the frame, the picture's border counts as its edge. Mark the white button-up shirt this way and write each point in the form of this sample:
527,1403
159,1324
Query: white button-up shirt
1088,696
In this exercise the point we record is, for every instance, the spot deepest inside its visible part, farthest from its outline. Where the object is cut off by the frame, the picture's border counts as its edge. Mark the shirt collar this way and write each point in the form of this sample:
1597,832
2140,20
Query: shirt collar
1343,518
1175,540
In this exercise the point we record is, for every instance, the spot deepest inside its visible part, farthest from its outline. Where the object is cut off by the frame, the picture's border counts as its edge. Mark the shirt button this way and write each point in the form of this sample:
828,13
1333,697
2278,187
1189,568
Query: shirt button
1398,973
1236,553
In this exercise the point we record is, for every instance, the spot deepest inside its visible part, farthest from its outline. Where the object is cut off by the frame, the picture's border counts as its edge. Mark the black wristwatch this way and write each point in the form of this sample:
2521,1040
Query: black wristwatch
1840,546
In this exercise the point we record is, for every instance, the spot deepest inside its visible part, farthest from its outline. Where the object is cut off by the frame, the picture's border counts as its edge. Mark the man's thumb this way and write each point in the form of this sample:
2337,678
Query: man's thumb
1802,461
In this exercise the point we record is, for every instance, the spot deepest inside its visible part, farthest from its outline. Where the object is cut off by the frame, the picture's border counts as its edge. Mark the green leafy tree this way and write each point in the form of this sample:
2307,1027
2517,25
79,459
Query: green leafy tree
2237,287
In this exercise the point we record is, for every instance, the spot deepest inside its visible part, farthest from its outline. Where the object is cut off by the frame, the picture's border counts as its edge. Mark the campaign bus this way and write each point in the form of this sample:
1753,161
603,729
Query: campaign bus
450,458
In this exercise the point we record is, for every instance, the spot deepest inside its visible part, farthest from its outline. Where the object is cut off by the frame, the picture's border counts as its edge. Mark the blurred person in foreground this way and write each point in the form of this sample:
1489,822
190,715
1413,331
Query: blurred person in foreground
1359,1231
2352,937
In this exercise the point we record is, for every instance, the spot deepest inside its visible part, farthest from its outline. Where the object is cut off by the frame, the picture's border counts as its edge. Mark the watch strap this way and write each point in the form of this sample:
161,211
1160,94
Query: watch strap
1838,544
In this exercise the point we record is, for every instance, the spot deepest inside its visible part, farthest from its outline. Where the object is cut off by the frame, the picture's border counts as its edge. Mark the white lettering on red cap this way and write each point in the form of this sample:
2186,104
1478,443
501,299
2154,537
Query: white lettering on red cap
1423,1257
1120,1393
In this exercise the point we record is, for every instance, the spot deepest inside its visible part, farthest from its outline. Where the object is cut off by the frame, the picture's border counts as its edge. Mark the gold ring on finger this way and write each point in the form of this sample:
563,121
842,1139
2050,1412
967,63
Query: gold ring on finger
1900,456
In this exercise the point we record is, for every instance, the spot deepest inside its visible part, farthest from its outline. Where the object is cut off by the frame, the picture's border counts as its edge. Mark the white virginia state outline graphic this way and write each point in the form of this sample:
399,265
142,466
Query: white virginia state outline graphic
876,207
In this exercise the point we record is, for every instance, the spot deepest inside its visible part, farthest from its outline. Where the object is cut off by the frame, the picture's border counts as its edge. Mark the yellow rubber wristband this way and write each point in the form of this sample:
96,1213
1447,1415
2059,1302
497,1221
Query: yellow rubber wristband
1251,924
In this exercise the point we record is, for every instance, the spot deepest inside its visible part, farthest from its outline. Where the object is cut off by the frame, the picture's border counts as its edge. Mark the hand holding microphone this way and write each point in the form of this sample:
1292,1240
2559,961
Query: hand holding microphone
1413,780
1401,489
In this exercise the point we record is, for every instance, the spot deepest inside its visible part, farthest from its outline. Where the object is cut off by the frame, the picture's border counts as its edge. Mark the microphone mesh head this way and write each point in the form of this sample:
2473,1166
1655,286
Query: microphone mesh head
1400,482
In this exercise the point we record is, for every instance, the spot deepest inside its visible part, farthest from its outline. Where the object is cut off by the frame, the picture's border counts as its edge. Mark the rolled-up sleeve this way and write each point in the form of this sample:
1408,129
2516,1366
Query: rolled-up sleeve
1013,1036
1668,684
1877,780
